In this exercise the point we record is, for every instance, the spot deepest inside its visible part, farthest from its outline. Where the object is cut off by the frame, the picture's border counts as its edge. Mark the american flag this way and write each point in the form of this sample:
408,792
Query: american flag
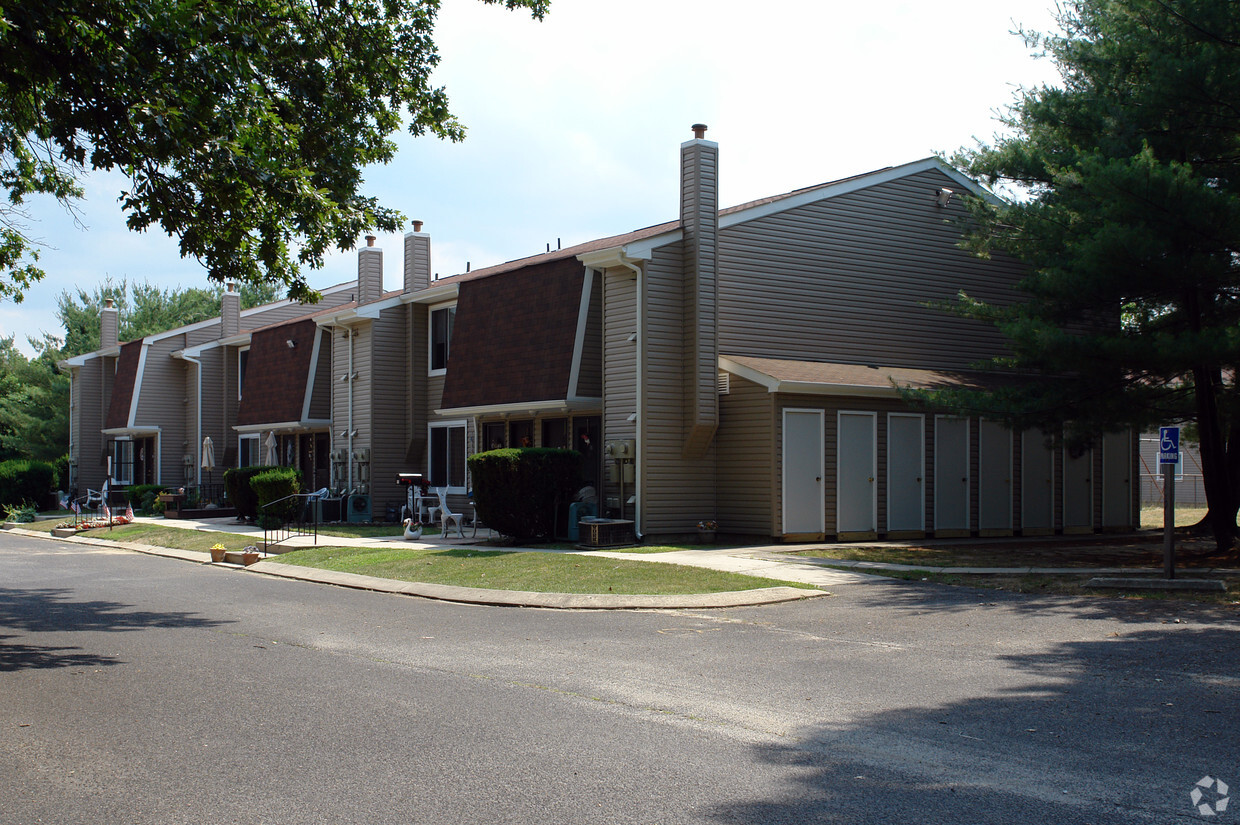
129,511
107,511
77,508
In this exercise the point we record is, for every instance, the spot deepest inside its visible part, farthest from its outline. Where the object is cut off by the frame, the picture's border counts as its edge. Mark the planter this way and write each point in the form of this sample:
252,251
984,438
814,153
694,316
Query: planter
249,558
63,532
706,536
217,555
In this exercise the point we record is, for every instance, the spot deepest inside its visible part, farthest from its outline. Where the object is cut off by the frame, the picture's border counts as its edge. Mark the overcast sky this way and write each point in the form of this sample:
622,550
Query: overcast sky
575,123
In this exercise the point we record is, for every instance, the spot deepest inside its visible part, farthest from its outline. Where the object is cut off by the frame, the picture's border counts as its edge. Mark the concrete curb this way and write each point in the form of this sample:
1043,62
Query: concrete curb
469,595
1207,585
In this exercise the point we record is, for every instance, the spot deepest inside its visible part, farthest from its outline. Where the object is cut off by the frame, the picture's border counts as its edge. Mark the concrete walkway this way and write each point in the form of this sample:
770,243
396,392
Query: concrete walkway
771,562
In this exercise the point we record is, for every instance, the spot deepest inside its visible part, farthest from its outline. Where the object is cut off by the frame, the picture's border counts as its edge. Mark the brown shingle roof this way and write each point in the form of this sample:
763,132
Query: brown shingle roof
123,385
514,336
276,374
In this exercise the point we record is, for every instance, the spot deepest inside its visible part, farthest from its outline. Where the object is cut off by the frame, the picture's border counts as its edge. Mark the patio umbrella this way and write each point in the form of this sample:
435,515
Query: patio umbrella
208,460
270,444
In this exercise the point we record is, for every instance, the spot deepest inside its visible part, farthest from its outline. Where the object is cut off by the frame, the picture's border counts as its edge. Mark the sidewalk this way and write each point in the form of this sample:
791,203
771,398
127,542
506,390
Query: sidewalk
770,561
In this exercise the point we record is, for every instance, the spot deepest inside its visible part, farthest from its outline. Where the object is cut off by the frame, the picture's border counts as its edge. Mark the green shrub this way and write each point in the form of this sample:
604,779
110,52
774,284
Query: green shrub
272,486
516,490
23,481
141,496
237,487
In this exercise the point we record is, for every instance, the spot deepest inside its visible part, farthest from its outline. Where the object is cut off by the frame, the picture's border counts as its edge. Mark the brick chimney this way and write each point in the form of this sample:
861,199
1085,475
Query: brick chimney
417,259
230,311
699,218
109,325
369,272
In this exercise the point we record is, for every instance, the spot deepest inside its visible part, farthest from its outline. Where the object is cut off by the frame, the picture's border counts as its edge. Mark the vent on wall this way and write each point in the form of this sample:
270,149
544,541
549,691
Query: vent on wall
725,383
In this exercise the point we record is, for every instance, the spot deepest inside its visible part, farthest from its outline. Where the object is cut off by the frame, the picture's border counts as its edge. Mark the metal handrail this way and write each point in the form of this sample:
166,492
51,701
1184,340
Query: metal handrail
287,529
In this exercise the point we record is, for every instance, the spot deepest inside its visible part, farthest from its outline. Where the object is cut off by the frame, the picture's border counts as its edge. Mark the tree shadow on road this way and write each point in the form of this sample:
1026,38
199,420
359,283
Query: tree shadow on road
51,610
1114,730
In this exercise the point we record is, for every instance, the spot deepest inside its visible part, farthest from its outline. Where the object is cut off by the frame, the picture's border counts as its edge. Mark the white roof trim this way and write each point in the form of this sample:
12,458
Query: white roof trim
137,383
284,426
151,430
432,294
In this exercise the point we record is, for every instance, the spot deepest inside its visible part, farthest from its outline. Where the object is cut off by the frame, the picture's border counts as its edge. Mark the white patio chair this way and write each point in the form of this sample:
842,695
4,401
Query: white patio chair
446,516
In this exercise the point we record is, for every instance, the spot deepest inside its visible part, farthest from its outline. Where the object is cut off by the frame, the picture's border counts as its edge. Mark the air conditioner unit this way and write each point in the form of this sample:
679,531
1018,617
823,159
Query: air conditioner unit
359,509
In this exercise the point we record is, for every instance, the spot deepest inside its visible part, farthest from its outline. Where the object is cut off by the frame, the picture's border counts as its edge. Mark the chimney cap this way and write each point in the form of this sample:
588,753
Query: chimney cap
417,226
108,304
370,240
699,130
232,287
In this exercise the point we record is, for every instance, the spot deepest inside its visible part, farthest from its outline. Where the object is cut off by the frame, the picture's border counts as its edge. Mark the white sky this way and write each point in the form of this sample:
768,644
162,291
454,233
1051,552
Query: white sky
575,124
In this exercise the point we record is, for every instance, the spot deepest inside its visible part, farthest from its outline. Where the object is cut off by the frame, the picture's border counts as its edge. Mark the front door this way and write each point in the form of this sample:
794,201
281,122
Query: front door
857,513
951,476
804,508
906,472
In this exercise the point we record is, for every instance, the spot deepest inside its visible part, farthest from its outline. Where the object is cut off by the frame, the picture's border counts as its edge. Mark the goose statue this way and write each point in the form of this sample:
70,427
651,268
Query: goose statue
412,533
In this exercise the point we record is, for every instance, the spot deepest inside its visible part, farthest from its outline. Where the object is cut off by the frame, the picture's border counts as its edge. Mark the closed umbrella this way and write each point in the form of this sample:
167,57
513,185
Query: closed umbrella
270,444
208,463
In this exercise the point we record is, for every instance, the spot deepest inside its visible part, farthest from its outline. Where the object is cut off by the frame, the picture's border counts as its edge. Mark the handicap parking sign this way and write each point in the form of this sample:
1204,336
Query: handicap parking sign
1168,445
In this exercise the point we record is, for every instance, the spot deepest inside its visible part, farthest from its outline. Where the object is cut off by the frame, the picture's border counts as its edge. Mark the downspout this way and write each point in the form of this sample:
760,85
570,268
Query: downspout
198,440
349,462
638,487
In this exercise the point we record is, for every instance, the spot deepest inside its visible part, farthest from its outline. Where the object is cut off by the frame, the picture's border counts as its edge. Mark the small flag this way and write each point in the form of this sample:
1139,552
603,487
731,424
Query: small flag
129,511
77,508
107,511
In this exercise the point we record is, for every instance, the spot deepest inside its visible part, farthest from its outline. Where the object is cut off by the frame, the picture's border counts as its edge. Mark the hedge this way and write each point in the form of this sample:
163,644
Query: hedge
237,485
142,496
271,486
517,490
22,481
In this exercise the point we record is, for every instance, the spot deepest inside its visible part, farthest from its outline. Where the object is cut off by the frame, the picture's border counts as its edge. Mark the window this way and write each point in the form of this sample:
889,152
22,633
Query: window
493,434
447,456
443,318
122,462
555,433
521,434
247,452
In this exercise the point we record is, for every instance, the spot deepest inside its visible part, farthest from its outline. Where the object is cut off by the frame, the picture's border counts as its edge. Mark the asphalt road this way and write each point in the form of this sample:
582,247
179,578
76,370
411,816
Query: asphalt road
136,689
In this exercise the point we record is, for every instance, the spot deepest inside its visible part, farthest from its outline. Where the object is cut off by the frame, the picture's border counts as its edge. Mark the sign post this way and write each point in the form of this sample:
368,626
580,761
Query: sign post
1168,458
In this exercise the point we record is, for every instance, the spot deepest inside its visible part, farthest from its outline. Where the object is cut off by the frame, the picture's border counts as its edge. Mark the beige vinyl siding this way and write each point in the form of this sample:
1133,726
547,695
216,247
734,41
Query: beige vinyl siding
419,402
213,412
204,335
746,447
847,278
388,402
619,361
590,377
254,319
163,401
88,415
675,492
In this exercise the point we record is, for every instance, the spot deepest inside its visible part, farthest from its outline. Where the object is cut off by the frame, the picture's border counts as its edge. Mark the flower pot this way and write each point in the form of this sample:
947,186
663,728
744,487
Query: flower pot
706,536
249,558
217,554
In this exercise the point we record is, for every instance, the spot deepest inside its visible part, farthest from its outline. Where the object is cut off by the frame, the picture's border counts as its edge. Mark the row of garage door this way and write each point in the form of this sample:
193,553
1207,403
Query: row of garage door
904,477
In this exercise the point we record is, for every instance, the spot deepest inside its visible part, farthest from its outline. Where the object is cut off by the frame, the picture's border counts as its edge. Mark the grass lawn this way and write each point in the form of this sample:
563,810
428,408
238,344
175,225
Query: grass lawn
1069,585
535,572
178,537
369,531
1185,516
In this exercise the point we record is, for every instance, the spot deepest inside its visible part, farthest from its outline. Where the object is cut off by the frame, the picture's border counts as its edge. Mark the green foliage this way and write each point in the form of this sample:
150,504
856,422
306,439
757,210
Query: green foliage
23,481
516,490
1128,214
244,128
20,513
240,493
270,487
142,496
34,402
143,309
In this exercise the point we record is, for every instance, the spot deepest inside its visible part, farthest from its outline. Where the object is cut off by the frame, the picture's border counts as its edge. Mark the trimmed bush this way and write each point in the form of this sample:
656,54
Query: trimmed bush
516,490
23,481
273,485
237,486
141,496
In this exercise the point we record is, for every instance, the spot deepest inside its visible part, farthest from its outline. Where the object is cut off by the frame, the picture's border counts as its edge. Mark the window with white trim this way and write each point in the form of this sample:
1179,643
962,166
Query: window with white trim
443,318
446,465
247,451
122,461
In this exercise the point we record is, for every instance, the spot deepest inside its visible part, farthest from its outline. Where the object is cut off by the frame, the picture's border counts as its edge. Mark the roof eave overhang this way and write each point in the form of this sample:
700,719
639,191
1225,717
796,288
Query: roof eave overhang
149,430
525,407
432,295
284,426
776,385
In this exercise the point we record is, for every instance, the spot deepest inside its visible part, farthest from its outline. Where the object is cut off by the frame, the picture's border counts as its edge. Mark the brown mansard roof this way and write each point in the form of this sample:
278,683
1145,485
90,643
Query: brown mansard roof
123,385
275,374
514,336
